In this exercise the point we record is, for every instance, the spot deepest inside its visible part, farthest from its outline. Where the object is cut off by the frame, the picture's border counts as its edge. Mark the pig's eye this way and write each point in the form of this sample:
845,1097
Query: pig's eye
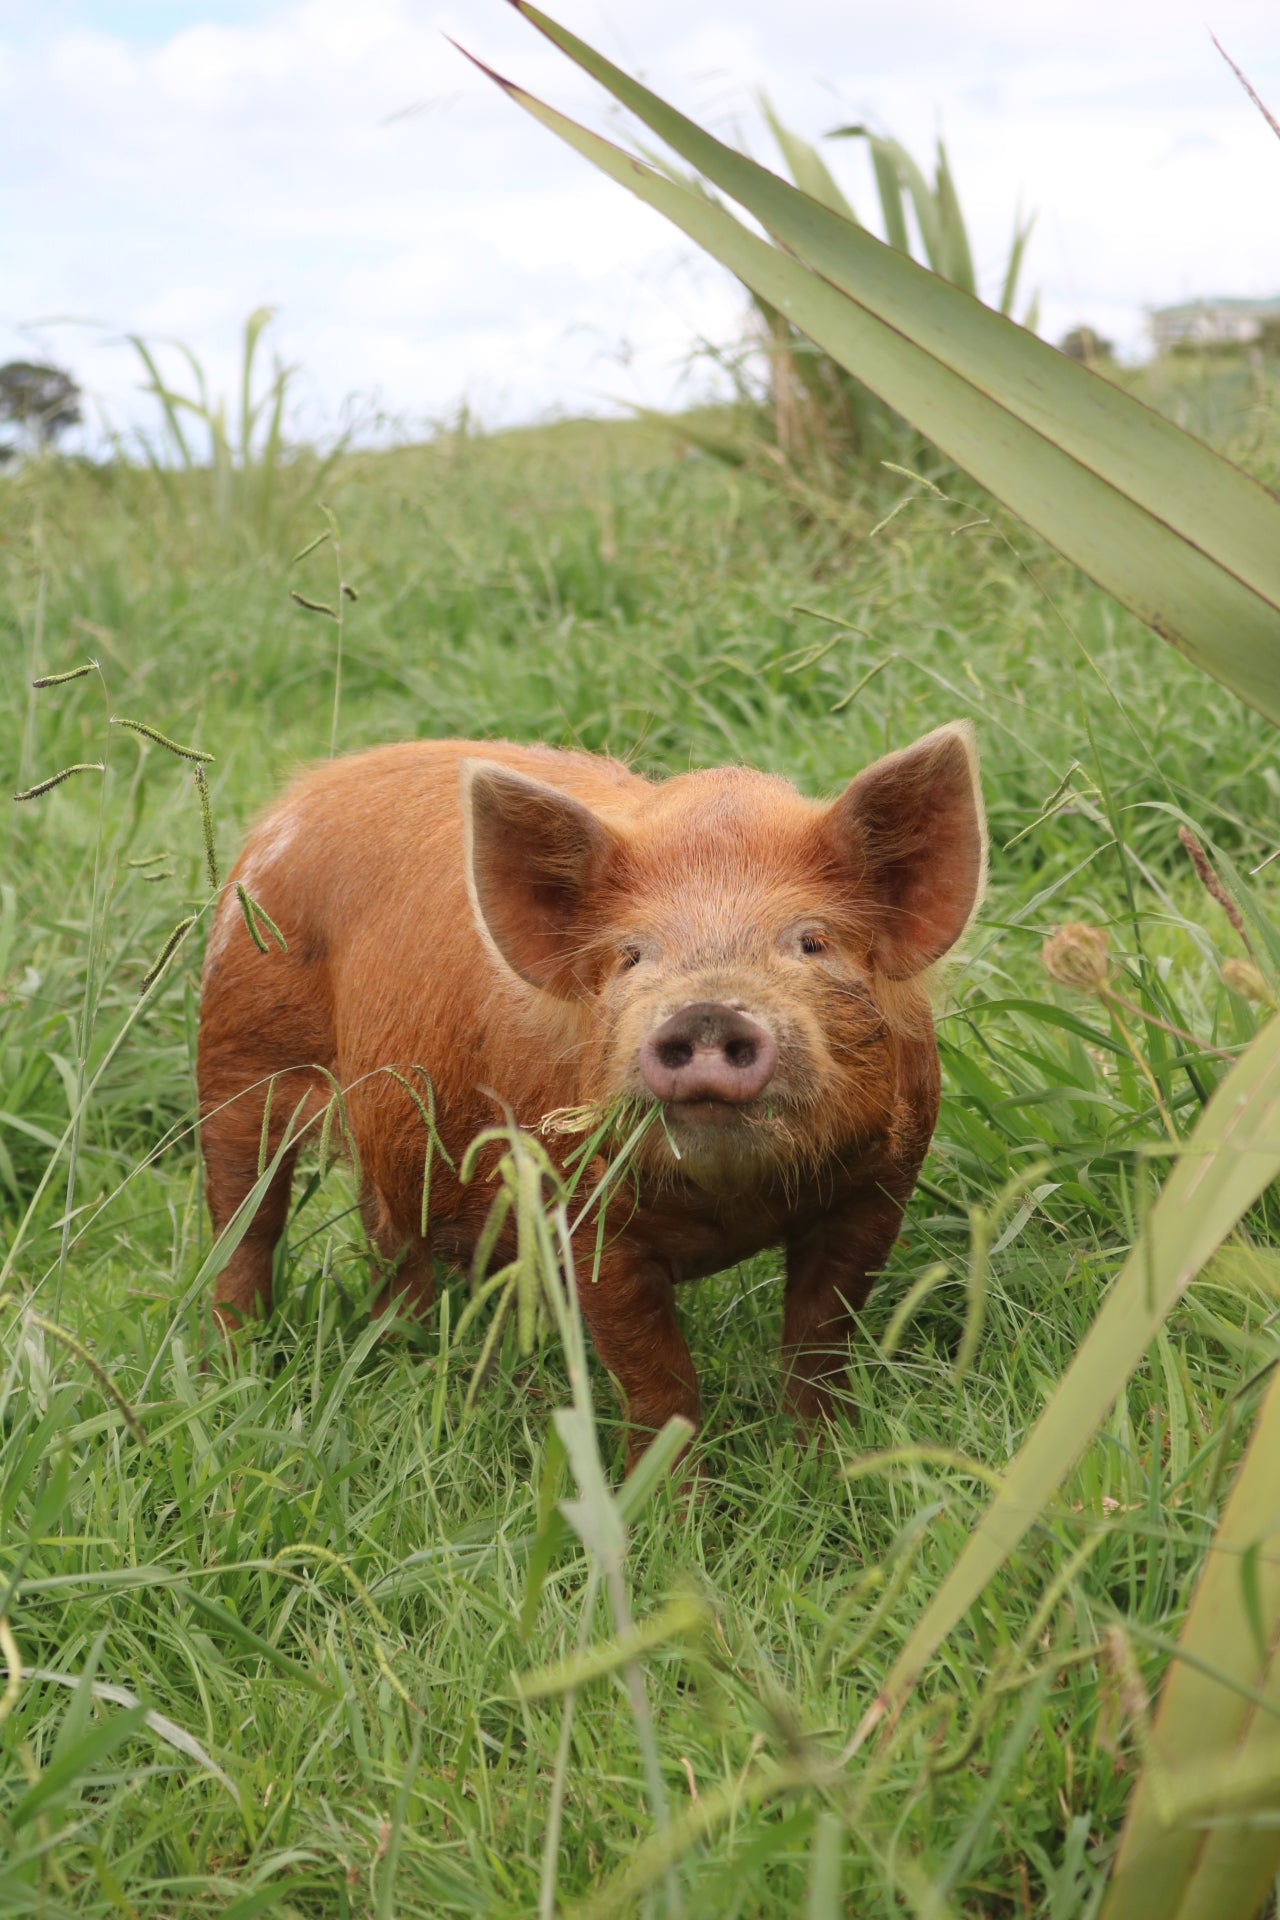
812,943
628,958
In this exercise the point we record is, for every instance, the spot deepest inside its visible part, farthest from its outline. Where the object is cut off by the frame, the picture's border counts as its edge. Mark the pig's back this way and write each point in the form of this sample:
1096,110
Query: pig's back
374,839
394,791
361,865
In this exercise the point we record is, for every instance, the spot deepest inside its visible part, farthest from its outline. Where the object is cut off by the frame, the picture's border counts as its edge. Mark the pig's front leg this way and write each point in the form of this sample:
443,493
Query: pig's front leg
630,1313
831,1266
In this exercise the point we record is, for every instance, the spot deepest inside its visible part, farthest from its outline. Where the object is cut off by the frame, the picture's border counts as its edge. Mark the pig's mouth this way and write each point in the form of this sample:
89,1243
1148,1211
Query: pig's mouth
716,1114
721,1145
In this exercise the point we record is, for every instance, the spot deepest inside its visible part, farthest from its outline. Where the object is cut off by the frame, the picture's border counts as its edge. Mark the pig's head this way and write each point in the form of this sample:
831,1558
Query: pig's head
744,958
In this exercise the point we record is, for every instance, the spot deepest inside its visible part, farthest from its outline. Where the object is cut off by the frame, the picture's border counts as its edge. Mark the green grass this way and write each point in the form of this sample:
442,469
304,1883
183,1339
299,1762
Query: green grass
315,1565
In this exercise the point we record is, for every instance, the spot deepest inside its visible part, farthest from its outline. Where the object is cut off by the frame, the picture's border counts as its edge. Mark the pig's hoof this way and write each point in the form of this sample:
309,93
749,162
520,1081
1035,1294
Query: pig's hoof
815,1411
684,1472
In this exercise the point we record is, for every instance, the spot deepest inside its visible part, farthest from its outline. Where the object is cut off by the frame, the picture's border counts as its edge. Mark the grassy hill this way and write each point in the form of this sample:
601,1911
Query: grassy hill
308,1557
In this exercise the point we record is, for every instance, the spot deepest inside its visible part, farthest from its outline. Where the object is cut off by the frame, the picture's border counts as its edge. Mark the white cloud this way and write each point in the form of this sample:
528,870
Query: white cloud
423,239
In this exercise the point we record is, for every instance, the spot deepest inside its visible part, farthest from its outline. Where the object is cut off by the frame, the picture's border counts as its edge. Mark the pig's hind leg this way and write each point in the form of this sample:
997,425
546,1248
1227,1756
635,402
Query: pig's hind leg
402,1269
235,1157
831,1268
400,1170
262,1035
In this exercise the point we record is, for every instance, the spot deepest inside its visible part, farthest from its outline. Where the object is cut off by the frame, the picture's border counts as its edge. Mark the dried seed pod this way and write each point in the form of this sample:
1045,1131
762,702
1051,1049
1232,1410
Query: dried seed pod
1076,956
1245,979
1209,879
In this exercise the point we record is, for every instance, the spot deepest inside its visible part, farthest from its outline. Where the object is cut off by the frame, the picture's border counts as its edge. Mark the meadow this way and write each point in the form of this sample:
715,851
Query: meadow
310,1561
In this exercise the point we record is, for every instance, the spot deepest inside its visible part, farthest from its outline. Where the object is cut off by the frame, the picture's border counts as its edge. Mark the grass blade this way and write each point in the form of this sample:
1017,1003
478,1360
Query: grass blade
895,169
70,1767
159,1723
959,256
889,186
678,1620
253,326
1009,290
806,165
169,402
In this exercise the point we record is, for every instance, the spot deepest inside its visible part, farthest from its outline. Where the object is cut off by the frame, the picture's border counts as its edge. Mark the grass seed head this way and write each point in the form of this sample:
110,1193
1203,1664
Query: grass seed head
1076,956
167,952
160,739
56,780
61,679
206,823
1245,979
1209,879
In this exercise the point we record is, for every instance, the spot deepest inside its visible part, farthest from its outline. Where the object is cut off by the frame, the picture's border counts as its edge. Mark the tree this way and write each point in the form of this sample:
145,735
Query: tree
39,401
1082,343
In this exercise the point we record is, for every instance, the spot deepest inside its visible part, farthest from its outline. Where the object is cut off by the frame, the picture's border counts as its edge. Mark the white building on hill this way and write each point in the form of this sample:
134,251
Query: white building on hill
1213,323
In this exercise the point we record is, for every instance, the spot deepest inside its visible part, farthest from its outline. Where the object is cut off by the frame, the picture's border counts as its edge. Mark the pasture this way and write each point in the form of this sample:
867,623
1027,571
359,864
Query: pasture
323,1570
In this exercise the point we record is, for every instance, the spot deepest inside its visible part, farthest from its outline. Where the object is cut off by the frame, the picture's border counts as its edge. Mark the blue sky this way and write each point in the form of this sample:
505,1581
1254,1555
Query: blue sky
140,21
167,166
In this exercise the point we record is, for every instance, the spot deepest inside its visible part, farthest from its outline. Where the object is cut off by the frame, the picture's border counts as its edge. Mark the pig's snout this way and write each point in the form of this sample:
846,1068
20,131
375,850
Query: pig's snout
708,1052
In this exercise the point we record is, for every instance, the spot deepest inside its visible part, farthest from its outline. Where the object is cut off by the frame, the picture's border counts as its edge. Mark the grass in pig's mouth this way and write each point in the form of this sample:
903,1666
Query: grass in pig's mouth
615,1128
601,1126
596,1123
624,1131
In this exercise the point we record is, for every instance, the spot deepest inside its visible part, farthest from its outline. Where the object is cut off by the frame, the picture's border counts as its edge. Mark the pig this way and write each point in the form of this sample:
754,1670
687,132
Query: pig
543,930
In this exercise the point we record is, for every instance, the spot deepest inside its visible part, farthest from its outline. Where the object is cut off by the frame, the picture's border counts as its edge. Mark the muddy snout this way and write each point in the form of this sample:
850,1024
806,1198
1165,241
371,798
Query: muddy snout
708,1051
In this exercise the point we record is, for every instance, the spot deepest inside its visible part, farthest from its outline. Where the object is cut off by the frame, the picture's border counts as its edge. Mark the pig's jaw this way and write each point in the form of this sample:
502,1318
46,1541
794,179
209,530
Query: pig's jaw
720,1146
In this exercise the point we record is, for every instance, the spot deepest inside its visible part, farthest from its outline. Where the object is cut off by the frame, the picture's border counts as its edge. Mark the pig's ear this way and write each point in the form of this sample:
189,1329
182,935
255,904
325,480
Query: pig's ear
532,854
912,833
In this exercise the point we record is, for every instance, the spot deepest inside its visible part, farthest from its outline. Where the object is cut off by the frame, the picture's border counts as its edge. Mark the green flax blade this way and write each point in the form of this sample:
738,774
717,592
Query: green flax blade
1181,536
1192,1848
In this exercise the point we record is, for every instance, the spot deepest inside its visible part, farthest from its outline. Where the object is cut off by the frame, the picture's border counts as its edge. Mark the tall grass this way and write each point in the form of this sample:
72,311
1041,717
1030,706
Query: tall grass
240,471
810,417
347,1608
823,416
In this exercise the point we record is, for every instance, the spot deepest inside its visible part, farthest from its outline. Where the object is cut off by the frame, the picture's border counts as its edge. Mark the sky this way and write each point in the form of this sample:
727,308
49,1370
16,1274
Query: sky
168,166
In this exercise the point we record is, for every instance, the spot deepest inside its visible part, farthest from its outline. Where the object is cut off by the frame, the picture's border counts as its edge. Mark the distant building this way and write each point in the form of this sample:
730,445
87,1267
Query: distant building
1213,323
